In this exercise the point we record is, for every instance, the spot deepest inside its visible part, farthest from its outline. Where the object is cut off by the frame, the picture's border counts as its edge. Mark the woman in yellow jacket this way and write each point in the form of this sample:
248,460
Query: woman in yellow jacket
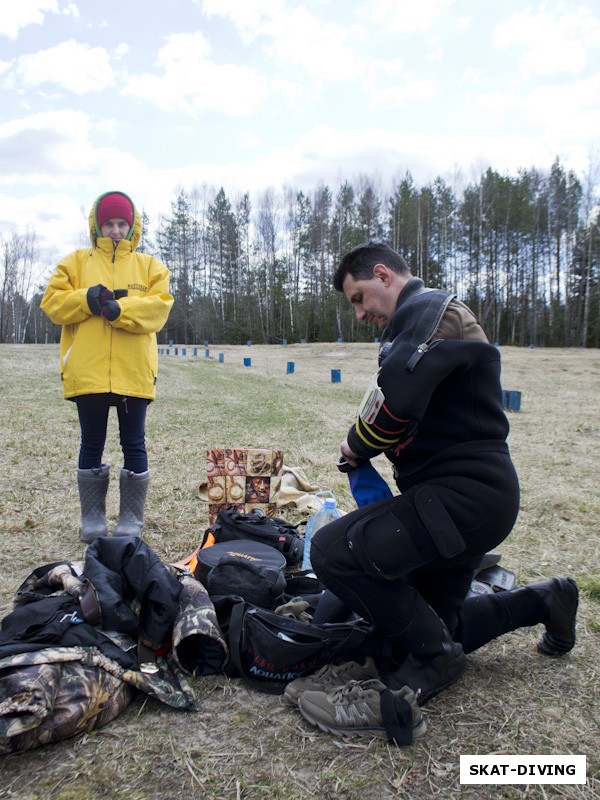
111,301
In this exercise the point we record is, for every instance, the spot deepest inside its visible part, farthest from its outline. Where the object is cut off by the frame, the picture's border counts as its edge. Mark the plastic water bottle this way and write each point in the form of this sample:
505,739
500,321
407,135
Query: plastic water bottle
322,517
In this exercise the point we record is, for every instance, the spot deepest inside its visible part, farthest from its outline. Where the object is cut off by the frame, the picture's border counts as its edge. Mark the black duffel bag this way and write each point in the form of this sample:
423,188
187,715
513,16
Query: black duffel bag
269,650
256,526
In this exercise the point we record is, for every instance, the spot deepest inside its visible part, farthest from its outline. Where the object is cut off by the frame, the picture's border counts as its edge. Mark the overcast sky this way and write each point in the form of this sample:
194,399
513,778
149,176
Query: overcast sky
147,96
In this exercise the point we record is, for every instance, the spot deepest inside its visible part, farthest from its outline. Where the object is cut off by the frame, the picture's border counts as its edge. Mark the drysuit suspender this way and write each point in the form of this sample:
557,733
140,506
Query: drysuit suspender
428,323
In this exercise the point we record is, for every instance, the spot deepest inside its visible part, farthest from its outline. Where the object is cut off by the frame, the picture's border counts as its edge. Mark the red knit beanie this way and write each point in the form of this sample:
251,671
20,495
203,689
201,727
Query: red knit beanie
114,205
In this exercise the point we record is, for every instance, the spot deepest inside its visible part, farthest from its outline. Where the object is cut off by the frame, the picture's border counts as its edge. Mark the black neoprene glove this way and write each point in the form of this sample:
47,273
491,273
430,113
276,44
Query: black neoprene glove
110,310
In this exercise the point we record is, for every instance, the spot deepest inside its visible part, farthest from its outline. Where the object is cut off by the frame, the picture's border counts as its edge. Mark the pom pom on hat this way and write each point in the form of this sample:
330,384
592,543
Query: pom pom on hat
114,205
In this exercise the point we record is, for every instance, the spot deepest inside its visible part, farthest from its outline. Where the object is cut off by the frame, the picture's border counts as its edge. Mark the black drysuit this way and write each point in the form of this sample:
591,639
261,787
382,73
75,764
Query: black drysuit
436,413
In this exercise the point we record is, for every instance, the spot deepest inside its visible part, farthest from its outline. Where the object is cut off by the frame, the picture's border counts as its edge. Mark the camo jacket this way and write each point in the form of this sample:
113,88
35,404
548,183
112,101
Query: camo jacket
54,692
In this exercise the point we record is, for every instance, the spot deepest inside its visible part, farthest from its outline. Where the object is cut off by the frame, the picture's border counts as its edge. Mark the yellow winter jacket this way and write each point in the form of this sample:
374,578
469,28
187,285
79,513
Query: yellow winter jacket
98,356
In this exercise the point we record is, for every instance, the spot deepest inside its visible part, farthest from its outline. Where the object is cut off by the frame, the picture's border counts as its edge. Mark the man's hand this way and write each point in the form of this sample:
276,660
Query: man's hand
349,455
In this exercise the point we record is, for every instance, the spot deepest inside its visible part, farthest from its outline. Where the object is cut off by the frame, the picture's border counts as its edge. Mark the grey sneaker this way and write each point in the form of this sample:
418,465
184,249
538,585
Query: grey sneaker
366,708
330,677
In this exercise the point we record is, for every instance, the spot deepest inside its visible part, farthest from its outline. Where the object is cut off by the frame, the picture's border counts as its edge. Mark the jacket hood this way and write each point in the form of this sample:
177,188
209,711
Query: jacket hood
135,232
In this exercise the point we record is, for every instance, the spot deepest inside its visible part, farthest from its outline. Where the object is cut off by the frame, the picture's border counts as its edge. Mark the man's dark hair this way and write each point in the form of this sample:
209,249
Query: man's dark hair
359,263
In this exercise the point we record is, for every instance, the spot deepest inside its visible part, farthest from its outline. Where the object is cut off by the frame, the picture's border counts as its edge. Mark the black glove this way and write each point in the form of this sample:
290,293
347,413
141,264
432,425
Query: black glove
110,310
93,298
105,295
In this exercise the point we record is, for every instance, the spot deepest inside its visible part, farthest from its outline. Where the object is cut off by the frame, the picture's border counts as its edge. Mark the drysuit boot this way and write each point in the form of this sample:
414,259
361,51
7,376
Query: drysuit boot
134,488
434,660
560,597
93,486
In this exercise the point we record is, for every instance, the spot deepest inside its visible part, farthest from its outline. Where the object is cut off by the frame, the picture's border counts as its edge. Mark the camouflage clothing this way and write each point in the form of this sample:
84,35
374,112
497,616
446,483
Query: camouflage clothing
49,692
52,694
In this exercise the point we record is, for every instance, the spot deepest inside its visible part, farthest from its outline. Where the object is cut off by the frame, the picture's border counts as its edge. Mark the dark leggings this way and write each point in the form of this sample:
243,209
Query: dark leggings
93,419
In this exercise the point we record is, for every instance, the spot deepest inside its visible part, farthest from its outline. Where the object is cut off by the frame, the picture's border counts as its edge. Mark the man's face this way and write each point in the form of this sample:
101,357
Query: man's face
373,299
115,229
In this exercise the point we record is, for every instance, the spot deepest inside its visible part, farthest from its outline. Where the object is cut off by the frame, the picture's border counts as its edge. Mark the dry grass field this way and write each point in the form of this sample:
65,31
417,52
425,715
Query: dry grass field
243,744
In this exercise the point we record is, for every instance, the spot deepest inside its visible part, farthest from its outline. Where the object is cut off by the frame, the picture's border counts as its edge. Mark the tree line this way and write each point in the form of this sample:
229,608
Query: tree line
523,251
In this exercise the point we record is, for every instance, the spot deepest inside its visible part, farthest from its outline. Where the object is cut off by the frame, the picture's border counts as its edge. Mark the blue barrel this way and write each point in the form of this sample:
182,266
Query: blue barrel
514,401
511,400
336,376
221,357
247,362
206,353
290,367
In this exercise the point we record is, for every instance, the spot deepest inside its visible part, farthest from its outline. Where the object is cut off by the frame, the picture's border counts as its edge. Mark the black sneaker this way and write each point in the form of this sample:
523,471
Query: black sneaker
365,708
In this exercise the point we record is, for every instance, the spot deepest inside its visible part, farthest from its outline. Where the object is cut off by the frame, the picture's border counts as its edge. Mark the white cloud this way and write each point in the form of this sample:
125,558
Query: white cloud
55,149
462,23
577,119
500,105
437,54
71,10
42,146
251,18
19,14
390,84
325,50
190,82
553,39
472,75
406,15
75,67
55,217
399,96
295,92
563,110
295,37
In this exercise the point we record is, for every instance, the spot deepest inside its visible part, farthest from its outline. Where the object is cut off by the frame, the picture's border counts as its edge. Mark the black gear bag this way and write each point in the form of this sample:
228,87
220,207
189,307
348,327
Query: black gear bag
269,650
256,526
